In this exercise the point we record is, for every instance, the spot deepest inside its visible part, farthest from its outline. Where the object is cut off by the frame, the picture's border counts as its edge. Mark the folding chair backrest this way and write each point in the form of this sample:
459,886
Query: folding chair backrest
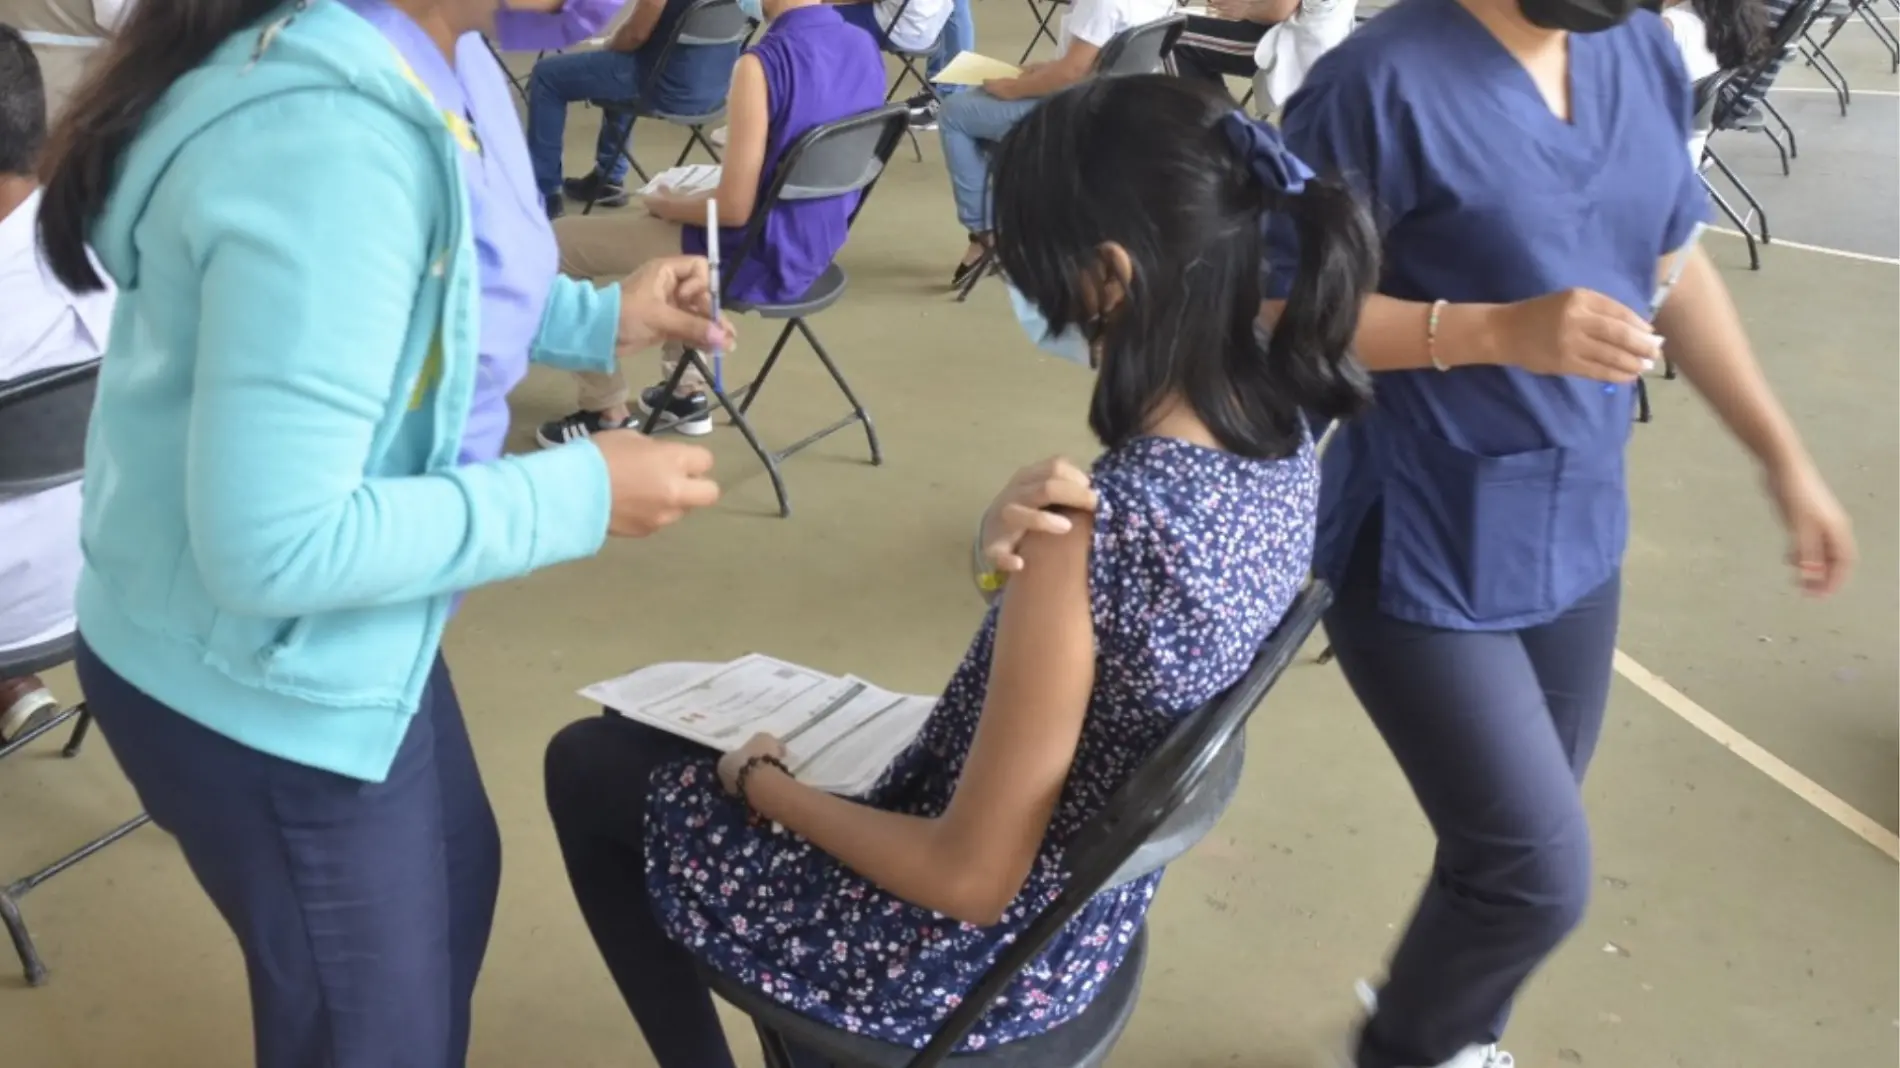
1140,49
707,22
832,160
1747,86
1707,92
43,419
1175,796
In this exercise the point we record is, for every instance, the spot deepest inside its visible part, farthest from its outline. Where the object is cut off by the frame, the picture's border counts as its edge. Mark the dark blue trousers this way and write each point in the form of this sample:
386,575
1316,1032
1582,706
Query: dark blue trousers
1494,731
363,909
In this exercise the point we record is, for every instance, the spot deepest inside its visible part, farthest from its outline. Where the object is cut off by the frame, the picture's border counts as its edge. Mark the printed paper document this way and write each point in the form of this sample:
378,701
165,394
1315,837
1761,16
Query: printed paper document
840,733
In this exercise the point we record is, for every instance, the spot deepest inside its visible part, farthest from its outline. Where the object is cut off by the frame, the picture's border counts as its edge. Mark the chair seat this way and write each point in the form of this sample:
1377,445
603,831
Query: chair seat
1083,1042
820,295
642,111
34,659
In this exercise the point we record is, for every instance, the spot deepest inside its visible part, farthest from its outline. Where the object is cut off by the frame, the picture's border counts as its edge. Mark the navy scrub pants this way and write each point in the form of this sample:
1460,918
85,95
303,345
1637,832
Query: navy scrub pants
1494,731
363,909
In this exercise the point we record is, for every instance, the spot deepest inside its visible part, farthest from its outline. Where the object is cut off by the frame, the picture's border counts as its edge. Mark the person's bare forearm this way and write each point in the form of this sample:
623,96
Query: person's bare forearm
903,854
1703,336
1397,335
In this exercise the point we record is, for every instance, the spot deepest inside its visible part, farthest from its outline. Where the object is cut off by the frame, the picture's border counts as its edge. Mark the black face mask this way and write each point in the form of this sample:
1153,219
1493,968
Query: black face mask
1578,16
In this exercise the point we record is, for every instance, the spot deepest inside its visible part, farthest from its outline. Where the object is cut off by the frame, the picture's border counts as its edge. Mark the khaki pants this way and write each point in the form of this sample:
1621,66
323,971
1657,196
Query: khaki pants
605,248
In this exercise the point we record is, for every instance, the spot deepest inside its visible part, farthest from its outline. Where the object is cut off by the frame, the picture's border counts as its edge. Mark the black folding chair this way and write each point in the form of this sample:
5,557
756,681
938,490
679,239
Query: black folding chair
42,440
1045,13
1837,18
708,23
833,160
1142,49
908,59
1170,802
1707,91
1742,104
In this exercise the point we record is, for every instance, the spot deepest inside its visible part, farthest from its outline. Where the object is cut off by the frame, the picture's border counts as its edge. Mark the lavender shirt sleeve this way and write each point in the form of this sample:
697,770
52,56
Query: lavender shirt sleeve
533,31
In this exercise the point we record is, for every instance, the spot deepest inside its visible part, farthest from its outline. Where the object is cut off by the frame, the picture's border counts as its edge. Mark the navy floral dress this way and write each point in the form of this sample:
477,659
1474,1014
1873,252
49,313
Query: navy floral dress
1197,555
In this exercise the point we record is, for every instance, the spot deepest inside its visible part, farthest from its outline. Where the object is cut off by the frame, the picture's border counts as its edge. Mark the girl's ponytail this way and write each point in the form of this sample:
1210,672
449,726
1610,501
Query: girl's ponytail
1310,349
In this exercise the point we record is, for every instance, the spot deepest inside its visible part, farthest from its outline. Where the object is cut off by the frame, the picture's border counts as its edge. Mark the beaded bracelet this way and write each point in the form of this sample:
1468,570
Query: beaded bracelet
745,773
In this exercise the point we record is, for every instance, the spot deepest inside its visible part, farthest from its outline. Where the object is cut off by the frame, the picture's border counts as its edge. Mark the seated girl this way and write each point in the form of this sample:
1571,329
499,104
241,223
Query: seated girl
875,914
810,67
970,123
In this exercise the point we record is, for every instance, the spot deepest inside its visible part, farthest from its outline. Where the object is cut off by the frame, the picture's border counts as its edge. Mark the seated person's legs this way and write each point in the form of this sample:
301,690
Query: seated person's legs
558,81
607,248
598,775
971,122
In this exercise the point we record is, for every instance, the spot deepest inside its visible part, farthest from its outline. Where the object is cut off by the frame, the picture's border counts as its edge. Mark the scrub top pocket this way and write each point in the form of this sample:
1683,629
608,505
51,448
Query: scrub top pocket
1468,538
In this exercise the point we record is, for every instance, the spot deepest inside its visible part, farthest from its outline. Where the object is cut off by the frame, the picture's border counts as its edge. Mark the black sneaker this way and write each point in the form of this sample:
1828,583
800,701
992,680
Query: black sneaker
602,192
690,415
576,427
557,206
923,111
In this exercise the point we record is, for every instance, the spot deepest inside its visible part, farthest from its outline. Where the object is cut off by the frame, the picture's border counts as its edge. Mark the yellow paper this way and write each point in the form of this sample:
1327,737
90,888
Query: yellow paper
968,68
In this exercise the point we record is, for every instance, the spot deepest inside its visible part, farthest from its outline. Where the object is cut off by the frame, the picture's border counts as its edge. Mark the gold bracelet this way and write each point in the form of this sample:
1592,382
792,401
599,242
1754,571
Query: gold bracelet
1431,336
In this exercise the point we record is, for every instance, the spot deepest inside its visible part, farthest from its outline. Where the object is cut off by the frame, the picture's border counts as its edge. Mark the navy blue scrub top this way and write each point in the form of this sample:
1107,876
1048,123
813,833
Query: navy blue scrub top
1501,492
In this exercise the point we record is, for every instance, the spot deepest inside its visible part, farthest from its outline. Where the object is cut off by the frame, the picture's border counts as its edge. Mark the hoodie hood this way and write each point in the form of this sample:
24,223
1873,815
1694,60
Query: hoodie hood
301,46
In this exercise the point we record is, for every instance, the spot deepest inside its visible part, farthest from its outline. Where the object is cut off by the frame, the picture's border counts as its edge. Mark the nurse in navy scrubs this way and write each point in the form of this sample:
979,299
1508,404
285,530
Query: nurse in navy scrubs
1524,160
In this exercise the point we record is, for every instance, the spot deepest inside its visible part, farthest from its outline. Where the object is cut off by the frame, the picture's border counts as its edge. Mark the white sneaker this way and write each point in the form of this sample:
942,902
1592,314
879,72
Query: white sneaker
1488,1056
718,137
28,711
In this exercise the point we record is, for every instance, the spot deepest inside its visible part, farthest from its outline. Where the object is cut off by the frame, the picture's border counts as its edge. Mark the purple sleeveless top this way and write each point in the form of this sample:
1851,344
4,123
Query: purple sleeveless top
818,69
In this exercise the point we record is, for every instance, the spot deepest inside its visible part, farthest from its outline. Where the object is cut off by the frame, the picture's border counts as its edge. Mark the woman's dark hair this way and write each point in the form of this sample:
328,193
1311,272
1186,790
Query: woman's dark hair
1737,30
1142,161
158,43
22,104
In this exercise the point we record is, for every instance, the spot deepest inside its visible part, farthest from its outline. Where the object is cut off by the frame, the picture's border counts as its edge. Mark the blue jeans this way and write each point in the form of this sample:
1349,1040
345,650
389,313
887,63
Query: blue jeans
1494,730
558,81
959,35
363,908
970,124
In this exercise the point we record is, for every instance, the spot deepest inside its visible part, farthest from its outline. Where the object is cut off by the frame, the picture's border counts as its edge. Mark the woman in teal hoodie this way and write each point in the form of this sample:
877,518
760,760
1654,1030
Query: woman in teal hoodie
332,266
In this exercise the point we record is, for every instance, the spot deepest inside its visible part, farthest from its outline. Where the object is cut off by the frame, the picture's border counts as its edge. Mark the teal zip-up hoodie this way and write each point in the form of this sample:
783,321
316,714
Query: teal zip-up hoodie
275,525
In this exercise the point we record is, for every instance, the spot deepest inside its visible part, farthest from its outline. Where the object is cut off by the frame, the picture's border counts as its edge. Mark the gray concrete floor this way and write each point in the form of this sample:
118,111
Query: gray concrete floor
1735,927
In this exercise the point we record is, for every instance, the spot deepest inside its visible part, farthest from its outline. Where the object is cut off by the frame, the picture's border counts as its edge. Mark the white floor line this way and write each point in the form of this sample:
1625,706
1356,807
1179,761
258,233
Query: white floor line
1864,257
1852,91
1760,759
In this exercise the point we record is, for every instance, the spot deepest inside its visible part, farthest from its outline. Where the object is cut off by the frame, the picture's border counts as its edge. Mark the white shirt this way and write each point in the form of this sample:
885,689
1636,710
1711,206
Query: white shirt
1692,37
45,325
1289,49
1097,22
921,25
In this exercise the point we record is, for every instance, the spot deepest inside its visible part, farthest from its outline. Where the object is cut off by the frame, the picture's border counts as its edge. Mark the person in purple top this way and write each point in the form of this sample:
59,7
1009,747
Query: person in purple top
810,67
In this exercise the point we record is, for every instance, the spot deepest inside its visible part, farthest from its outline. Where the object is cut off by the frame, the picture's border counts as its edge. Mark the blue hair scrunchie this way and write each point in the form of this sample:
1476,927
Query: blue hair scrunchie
1271,162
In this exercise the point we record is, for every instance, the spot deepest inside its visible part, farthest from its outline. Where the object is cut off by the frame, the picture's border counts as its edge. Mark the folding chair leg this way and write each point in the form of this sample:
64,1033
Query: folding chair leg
857,408
695,136
1754,206
1642,400
1325,656
692,358
1823,64
1045,13
80,730
1754,254
1780,148
1881,31
777,1055
1794,149
10,895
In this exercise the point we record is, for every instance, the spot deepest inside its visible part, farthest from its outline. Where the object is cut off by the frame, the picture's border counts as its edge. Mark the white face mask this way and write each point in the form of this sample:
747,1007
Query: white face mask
1070,345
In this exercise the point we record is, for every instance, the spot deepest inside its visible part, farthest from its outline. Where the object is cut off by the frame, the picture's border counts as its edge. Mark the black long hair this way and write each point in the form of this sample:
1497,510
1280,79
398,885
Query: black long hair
22,104
158,43
1737,30
1142,161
